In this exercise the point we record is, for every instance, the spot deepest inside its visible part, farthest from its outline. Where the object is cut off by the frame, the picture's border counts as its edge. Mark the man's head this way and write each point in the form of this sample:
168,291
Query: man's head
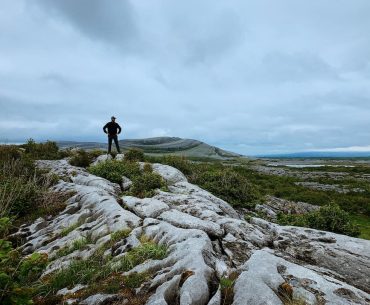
113,118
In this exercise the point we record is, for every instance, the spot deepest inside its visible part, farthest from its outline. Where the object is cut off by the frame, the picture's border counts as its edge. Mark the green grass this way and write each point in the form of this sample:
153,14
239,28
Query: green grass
118,235
113,170
144,182
78,272
147,250
82,158
363,221
79,244
69,229
97,269
329,218
356,169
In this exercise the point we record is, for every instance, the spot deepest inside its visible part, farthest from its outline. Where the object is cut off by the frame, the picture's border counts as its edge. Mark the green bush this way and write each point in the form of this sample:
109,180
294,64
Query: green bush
19,187
81,158
147,168
227,184
18,195
222,181
18,274
47,151
10,152
134,154
23,188
145,184
113,170
328,218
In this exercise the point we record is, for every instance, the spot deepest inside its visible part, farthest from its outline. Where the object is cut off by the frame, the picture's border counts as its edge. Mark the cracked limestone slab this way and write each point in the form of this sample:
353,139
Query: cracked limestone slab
187,188
91,180
264,272
92,210
189,252
187,221
146,207
346,258
170,174
107,157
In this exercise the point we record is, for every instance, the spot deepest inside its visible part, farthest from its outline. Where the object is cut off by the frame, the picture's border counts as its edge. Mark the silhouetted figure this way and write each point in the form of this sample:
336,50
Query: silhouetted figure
113,130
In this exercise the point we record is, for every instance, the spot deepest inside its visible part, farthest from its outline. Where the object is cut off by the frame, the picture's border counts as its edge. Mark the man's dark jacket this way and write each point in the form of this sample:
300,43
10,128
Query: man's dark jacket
112,128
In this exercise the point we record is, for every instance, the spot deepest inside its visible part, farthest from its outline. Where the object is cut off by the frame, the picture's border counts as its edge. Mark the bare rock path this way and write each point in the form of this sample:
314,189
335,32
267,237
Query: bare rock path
207,241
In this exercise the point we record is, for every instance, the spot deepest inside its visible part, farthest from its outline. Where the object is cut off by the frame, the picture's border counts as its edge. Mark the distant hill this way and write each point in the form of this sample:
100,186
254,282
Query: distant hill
320,154
160,146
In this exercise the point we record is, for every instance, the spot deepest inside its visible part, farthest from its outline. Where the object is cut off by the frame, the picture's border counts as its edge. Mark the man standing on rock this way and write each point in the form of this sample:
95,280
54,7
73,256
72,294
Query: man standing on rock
113,130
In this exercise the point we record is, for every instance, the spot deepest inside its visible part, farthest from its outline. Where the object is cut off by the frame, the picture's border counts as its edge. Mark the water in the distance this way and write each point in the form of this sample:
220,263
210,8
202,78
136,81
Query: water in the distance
307,165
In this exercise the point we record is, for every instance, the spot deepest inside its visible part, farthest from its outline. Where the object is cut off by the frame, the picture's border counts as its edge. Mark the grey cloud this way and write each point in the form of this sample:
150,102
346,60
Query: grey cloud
56,78
250,76
282,67
110,21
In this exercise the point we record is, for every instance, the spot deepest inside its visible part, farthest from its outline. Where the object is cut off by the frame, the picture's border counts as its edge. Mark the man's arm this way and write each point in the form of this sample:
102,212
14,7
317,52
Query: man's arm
105,128
119,128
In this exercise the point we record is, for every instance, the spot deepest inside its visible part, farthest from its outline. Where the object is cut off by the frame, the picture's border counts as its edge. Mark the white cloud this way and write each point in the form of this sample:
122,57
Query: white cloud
346,149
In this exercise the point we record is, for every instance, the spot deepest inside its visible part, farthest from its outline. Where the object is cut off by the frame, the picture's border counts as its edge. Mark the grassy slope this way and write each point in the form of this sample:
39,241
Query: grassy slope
162,145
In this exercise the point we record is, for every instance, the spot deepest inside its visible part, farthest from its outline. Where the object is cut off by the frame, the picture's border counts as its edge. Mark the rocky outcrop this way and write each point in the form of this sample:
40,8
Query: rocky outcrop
207,241
273,206
329,187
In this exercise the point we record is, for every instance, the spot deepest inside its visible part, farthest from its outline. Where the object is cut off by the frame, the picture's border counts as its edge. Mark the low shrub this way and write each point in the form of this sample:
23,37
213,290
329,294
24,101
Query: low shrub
19,188
17,274
227,184
145,184
24,190
134,154
113,170
81,158
222,181
328,218
147,168
227,288
10,152
47,151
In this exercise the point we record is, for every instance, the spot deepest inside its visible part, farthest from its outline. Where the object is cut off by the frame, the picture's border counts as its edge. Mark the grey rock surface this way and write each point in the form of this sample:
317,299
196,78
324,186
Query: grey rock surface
206,241
265,273
329,187
100,299
273,206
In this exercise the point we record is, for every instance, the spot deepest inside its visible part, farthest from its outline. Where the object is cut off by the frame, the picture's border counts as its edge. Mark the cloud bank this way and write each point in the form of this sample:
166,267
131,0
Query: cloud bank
249,76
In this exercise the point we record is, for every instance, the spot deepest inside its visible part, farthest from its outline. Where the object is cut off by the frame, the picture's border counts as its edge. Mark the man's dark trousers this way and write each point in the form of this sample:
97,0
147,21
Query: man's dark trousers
115,138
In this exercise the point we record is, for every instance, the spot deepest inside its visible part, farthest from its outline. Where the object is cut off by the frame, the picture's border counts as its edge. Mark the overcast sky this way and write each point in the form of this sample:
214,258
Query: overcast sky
249,76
